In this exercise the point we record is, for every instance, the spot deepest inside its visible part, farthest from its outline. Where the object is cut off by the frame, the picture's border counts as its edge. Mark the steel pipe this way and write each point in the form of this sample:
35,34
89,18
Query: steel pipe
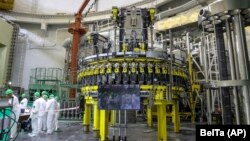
176,10
242,52
119,138
208,97
232,69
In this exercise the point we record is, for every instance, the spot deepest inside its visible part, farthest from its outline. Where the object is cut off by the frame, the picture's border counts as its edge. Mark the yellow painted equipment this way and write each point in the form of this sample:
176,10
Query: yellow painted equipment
129,66
132,65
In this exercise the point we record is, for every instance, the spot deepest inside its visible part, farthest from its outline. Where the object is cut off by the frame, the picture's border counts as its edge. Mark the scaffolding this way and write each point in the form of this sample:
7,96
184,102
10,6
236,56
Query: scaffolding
48,79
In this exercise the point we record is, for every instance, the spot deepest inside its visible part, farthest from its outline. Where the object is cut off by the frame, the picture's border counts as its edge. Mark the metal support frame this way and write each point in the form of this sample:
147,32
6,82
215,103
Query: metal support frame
192,107
234,16
113,118
223,72
232,69
86,117
149,116
162,122
195,86
208,55
242,61
96,124
101,117
176,116
103,125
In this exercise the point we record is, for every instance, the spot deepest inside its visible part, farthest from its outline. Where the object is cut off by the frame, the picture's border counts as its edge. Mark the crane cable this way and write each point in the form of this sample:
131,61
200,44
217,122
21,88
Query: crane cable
91,6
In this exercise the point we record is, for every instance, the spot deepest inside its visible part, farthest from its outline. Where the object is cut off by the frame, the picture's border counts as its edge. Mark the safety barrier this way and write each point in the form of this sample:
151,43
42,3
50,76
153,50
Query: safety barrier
69,110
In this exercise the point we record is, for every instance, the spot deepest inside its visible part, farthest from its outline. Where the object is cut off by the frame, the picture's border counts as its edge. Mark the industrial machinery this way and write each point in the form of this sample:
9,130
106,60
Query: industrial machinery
225,51
131,65
6,121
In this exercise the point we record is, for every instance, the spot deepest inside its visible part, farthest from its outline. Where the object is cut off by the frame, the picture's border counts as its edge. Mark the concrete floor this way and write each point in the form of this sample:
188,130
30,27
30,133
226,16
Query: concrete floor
135,132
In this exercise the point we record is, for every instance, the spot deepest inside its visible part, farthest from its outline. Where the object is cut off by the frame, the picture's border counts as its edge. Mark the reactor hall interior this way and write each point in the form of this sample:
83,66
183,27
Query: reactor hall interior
134,70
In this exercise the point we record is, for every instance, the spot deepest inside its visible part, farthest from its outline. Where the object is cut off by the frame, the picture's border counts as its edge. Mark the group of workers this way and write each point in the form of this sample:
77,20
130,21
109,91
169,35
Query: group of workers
44,112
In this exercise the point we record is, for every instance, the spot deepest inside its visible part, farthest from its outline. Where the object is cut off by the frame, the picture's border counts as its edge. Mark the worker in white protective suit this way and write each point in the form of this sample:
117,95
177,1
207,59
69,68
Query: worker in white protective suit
35,114
41,113
51,108
57,113
44,124
16,111
23,103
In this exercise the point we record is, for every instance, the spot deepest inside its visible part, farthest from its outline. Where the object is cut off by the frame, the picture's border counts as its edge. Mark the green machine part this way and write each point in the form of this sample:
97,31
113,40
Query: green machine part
5,115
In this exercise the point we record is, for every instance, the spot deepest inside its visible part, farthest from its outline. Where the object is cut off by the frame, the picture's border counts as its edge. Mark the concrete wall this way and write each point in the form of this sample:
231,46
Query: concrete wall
6,31
42,49
64,6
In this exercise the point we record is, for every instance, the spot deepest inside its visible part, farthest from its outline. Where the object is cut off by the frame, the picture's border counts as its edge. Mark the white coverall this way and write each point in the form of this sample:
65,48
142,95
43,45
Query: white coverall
34,117
45,119
50,108
24,103
16,109
57,116
41,114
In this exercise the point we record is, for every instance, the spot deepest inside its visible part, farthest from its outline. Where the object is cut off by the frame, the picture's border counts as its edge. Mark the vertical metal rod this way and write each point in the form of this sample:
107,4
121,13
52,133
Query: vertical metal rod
115,37
200,53
232,70
242,61
163,42
209,115
119,125
76,113
214,94
125,124
237,73
68,112
151,34
113,114
202,114
64,112
189,58
171,60
72,111
208,98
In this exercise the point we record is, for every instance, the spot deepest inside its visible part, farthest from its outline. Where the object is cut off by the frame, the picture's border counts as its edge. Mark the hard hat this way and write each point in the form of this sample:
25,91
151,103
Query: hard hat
44,92
9,91
57,98
37,94
23,95
51,96
45,96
